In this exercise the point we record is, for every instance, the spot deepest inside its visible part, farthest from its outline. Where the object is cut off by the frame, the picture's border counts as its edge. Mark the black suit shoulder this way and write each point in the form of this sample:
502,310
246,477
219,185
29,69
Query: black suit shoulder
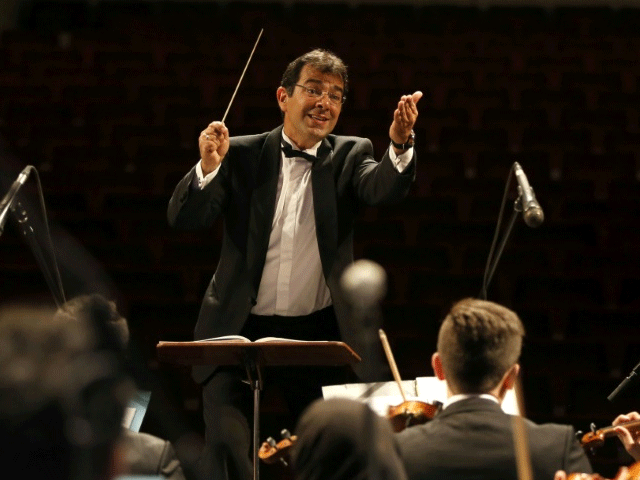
246,148
149,455
474,439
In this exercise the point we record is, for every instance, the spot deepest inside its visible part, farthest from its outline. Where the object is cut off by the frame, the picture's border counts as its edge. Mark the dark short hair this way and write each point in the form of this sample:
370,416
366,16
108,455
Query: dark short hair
111,327
331,444
478,342
322,60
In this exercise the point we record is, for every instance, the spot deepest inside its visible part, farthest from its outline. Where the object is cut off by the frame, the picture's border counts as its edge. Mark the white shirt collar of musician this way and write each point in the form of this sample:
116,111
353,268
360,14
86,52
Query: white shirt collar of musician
464,396
311,151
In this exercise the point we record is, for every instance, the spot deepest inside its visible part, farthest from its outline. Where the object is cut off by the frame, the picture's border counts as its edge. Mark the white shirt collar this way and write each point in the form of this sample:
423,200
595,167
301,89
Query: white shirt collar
464,396
311,151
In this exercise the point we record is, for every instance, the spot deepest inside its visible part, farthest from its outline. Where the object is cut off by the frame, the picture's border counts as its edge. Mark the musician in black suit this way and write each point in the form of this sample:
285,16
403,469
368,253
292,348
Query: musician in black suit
479,344
288,198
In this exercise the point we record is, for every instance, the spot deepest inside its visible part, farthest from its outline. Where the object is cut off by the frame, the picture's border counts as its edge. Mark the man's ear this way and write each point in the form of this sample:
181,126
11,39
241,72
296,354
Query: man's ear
281,96
436,363
511,376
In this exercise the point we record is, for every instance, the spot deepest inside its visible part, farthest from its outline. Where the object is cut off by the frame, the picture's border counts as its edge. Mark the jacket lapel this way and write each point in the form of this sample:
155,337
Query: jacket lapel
262,207
324,205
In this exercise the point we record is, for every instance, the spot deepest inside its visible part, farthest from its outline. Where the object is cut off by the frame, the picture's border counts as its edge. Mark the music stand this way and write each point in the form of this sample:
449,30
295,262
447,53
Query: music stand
254,356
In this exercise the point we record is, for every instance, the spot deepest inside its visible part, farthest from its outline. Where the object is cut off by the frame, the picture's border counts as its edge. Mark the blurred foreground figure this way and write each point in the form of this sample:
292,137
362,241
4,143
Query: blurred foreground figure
61,401
145,454
341,439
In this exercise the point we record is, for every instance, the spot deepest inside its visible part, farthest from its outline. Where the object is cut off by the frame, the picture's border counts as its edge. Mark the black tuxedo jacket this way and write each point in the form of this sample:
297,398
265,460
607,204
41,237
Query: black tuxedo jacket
472,439
344,177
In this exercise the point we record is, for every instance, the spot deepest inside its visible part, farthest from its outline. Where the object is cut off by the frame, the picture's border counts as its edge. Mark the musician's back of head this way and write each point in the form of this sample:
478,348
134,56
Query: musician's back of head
478,342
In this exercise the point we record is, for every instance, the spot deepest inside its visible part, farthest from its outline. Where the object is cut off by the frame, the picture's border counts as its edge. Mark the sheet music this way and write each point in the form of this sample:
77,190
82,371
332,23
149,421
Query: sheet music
379,395
437,389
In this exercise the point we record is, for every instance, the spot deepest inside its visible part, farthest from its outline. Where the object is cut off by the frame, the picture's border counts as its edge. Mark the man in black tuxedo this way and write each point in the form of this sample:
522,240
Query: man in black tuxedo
289,198
479,345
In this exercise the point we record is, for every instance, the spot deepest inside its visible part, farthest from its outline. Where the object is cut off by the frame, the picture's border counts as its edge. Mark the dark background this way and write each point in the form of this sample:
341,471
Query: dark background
106,100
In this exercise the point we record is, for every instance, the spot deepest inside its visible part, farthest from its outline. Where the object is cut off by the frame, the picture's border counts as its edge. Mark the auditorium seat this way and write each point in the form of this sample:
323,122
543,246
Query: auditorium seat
566,359
559,291
496,164
629,289
621,235
434,258
538,396
515,261
390,231
587,400
499,117
469,140
435,120
147,284
122,256
440,288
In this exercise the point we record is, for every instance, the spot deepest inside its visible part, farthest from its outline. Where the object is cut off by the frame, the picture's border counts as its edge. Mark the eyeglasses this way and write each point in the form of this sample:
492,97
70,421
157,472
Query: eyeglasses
334,98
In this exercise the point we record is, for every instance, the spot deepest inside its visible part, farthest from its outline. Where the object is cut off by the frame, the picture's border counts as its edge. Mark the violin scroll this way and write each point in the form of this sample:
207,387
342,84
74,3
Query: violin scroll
273,452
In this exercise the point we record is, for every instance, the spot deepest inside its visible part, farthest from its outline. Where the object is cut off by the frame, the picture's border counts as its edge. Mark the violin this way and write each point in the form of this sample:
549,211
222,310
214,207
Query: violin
272,451
596,438
625,473
409,412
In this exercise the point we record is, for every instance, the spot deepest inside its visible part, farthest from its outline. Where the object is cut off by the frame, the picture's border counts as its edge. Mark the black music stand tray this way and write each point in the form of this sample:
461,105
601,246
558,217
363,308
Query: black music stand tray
254,356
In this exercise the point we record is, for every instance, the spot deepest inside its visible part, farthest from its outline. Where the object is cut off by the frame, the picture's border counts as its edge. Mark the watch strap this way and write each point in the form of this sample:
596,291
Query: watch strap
408,144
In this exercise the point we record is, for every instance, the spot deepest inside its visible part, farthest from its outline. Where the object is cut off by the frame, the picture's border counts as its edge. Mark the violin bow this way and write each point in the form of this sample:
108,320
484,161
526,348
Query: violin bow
242,76
521,444
392,362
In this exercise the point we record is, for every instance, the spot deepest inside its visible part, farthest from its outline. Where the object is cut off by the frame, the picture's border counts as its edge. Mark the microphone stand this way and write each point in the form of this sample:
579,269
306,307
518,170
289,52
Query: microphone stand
492,262
624,384
29,235
54,282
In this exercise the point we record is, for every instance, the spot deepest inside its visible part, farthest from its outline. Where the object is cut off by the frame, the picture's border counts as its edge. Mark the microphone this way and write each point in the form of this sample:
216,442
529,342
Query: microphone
6,202
364,284
531,211
625,383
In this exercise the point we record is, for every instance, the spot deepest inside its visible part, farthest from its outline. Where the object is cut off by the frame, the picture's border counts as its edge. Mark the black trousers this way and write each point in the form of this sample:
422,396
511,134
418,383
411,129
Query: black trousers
228,400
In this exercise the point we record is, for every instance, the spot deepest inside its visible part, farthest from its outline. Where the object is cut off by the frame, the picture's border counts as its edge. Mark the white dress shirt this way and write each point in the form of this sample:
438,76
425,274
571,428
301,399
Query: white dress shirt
293,282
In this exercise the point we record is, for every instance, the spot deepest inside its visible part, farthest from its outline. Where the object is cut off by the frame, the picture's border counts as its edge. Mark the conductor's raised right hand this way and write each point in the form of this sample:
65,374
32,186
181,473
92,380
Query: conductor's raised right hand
214,145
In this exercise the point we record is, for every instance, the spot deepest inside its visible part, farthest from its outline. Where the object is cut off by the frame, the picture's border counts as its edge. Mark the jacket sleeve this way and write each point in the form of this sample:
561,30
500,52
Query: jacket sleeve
191,208
380,183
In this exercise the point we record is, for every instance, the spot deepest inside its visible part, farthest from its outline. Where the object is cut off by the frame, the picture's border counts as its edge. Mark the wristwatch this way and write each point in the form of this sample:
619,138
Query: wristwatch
411,141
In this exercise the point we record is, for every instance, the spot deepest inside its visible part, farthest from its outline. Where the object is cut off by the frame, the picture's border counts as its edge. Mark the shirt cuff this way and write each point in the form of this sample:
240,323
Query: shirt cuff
200,180
400,161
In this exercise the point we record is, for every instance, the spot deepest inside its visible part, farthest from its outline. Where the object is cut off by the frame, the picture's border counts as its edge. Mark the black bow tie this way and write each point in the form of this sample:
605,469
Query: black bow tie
289,152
